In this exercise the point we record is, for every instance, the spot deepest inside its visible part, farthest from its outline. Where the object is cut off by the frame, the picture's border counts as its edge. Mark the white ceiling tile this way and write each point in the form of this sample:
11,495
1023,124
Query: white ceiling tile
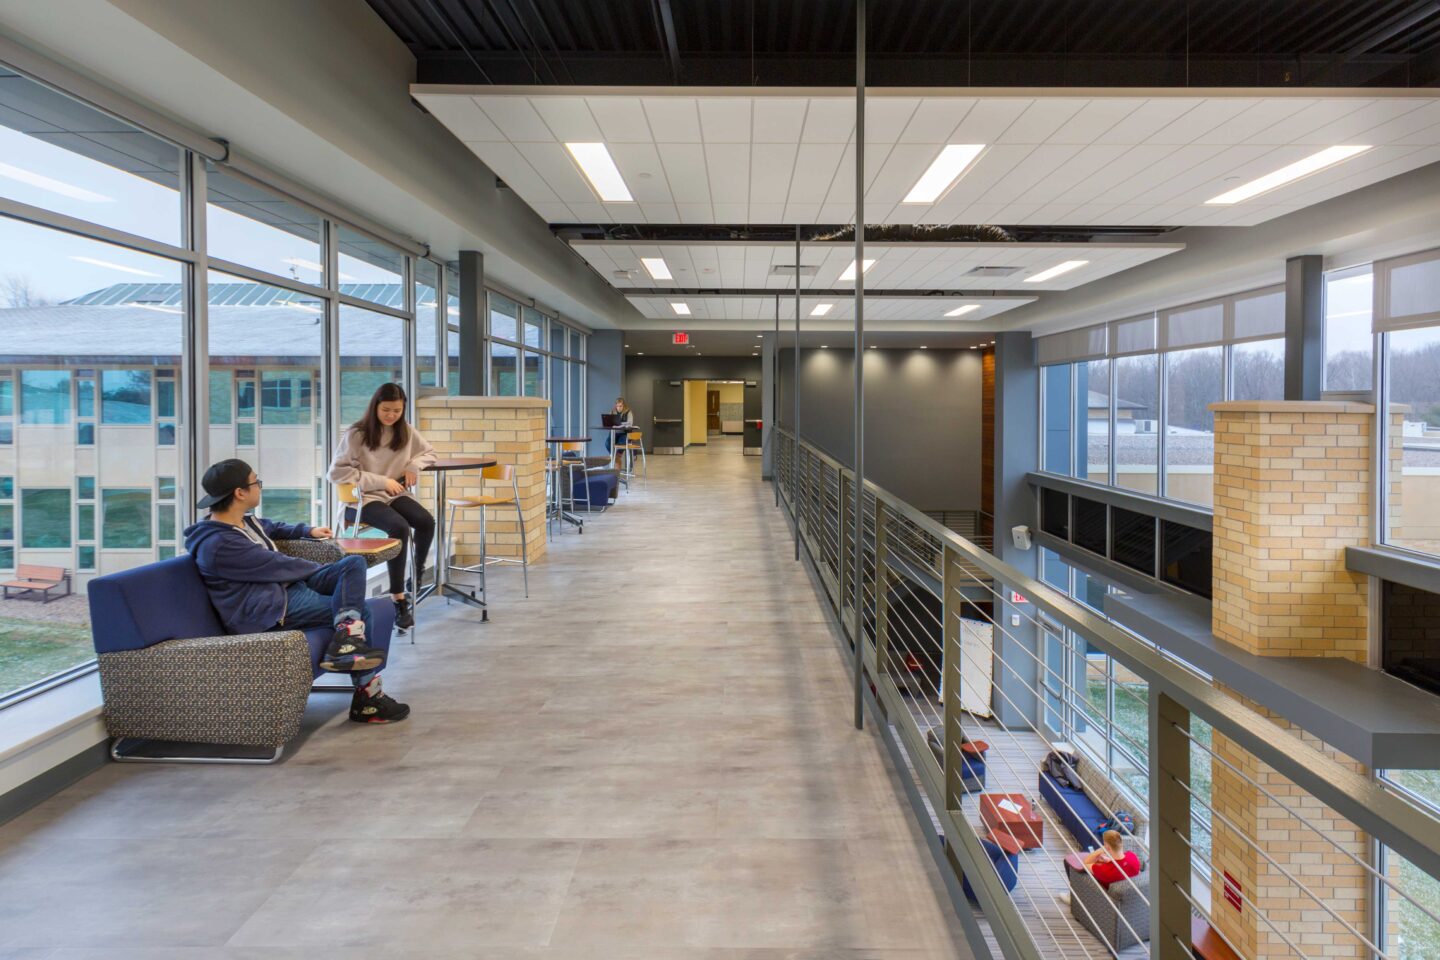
771,166
1087,162
621,119
686,173
659,212
905,165
600,212
766,213
1095,118
1044,161
462,117
1150,117
837,211
1135,160
887,117
1405,128
696,213
814,171
553,162
731,212
516,118
989,119
554,212
1263,116
639,164
569,119
1211,173
1339,124
725,119
829,120
778,120
992,167
801,212
1208,115
935,119
1041,119
673,119
728,165
511,166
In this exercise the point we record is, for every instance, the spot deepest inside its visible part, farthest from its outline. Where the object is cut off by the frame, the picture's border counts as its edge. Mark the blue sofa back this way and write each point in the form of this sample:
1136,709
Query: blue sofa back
1007,866
1075,809
160,601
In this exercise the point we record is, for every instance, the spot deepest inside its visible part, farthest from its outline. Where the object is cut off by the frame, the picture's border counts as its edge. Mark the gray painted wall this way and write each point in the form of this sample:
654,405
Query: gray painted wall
922,418
604,371
642,372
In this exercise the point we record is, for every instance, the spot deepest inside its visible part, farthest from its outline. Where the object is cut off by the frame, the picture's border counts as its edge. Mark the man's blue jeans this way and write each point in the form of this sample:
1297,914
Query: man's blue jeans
331,594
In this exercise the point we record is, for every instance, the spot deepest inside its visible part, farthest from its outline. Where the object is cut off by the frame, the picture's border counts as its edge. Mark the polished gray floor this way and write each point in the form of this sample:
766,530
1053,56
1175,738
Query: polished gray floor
651,757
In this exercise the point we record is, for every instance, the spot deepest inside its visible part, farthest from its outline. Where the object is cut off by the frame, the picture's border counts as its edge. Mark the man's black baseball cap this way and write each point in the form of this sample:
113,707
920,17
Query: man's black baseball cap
223,479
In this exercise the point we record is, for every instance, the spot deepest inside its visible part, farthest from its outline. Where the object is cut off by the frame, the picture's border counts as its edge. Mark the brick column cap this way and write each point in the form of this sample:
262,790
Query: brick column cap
1291,406
501,403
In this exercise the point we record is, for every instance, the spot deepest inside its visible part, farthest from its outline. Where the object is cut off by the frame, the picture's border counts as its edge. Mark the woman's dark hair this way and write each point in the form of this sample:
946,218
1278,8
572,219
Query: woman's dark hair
369,426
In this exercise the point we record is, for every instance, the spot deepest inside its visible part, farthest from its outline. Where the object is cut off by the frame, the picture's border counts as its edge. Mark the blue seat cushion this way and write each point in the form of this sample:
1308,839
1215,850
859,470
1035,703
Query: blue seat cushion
382,626
1075,809
600,487
137,608
1007,867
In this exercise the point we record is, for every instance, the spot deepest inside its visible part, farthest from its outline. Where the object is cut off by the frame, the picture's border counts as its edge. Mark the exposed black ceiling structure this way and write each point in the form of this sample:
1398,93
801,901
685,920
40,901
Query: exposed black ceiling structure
981,43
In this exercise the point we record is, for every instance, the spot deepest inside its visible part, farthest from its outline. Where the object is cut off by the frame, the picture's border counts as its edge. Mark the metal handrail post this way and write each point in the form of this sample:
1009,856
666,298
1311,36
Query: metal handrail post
1169,827
859,350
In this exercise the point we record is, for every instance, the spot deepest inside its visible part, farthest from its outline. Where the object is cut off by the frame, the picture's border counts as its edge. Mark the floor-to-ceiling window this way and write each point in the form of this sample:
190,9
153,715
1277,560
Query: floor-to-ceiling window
91,371
1407,318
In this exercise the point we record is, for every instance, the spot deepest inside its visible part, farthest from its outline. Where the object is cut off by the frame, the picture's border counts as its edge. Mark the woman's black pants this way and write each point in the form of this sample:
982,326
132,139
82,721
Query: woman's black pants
399,518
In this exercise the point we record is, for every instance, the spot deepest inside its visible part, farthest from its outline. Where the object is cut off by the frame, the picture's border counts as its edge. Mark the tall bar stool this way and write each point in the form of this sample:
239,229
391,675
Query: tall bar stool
349,496
561,474
634,444
499,474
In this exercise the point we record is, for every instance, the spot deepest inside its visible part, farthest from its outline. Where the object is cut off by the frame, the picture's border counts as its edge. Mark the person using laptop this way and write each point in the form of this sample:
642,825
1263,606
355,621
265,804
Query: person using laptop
256,589
619,416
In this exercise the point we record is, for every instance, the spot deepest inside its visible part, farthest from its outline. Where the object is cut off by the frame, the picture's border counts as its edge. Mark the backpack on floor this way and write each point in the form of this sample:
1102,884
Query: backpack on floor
1122,823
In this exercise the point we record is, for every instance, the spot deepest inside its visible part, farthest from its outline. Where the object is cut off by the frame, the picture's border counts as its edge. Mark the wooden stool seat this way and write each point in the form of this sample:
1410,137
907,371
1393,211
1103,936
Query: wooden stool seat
479,500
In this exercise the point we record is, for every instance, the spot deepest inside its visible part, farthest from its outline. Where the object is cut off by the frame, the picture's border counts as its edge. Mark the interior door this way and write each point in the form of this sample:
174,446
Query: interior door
667,431
753,400
977,666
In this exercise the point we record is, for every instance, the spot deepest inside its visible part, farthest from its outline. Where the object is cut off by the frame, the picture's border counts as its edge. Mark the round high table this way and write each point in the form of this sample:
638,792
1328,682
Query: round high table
564,516
441,586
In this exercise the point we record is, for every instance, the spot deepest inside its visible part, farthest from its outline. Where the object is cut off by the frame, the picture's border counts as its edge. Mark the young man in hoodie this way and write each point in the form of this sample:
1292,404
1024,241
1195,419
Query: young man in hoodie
256,589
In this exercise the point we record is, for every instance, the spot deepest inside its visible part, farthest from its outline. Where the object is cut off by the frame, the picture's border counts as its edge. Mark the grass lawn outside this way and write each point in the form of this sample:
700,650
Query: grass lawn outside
31,650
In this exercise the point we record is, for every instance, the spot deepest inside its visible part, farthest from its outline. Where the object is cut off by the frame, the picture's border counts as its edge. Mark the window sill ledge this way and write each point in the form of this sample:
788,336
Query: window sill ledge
44,731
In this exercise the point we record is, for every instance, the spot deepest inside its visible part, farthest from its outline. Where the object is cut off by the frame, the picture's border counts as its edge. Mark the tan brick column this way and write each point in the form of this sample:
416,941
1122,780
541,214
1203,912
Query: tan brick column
512,430
1293,488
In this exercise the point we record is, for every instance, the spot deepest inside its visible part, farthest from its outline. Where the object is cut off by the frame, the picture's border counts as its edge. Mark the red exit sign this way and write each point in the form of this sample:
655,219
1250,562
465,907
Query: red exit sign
680,339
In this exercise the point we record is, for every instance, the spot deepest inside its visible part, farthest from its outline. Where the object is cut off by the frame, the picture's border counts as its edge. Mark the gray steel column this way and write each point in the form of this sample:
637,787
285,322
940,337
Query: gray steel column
1017,405
195,350
1304,327
1169,828
795,446
773,414
858,513
472,323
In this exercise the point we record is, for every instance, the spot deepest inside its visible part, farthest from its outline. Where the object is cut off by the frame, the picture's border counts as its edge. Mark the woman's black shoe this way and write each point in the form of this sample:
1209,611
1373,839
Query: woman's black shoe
404,614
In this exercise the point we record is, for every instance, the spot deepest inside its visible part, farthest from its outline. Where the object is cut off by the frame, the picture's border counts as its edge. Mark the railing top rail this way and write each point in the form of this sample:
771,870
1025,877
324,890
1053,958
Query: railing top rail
1412,833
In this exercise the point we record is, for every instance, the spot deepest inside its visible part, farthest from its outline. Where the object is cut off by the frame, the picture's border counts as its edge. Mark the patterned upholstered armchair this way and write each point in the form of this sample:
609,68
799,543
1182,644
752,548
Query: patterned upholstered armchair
1118,914
169,672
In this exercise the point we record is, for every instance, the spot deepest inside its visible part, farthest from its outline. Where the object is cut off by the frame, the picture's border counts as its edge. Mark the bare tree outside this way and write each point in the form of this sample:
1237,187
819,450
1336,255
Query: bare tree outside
18,290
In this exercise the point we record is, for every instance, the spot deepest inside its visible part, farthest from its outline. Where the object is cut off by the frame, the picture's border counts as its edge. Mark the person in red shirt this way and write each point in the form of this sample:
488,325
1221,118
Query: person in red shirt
1110,864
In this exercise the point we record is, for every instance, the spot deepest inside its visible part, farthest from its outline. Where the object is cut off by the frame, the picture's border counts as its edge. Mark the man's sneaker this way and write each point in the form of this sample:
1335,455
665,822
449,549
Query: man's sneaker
380,708
348,652
404,614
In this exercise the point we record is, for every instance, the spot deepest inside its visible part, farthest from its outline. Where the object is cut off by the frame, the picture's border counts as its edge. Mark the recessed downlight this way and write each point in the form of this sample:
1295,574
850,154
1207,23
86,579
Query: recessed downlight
683,309
1057,270
961,311
943,172
823,308
1288,174
824,346
849,273
599,168
656,267
923,347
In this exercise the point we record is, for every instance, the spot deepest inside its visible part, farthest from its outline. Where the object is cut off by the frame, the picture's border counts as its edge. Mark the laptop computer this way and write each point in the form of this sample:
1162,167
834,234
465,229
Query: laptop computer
609,420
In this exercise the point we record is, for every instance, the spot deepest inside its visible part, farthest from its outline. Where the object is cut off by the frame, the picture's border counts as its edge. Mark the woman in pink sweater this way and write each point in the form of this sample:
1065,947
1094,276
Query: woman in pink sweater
383,456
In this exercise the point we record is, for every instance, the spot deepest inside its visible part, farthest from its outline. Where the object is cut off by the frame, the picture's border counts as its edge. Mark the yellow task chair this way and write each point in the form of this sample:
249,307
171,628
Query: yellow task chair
349,496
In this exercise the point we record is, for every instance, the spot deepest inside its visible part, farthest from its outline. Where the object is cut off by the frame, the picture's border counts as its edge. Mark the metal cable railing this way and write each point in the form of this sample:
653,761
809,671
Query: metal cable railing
929,588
